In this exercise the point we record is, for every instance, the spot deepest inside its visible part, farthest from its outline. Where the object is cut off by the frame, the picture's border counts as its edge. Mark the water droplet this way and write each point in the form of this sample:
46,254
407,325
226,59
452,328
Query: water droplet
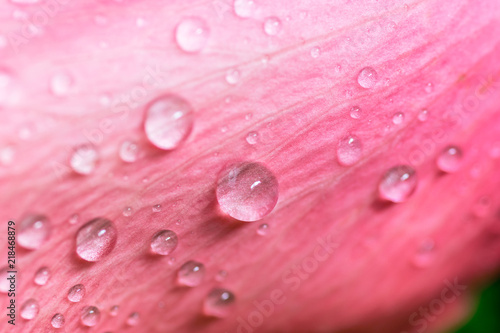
398,118
61,84
90,316
84,159
96,239
129,151
252,138
34,230
157,208
127,211
73,219
315,52
450,159
247,191
133,319
4,283
398,183
169,120
338,68
425,254
429,87
58,320
232,76
248,116
218,303
29,309
263,229
76,293
272,26
367,77
423,115
349,150
221,275
355,112
192,34
191,274
114,310
164,242
42,276
244,8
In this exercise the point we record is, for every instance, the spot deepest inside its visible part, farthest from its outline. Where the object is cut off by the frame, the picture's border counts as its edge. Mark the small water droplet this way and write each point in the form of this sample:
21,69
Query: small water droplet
192,34
355,112
450,159
244,8
58,320
248,116
34,230
338,68
425,254
76,293
398,183
42,276
157,208
252,138
90,316
191,274
263,229
221,275
84,159
129,151
114,310
164,242
133,319
367,77
398,118
272,26
429,87
232,76
127,211
315,52
73,219
423,115
29,309
96,239
218,303
169,120
247,191
61,84
349,150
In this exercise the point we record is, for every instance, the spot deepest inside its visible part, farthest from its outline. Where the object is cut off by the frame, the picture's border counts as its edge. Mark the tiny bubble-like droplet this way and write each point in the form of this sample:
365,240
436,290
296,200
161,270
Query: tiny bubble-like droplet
425,254
73,219
84,159
450,159
221,275
263,229
164,242
233,76
96,239
114,310
76,293
90,316
272,26
169,120
191,34
33,231
191,274
61,84
429,87
247,191
58,320
398,184
218,303
423,115
42,275
252,137
355,112
315,52
127,211
244,8
367,77
29,309
156,208
133,319
129,151
398,118
349,150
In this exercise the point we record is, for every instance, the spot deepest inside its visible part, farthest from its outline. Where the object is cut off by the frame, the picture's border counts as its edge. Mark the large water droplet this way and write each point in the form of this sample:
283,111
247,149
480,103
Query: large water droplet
164,242
272,26
247,191
192,34
232,76
349,150
450,159
84,159
34,230
191,274
96,239
76,293
398,183
133,319
355,112
367,77
90,316
252,137
169,120
29,309
218,303
42,276
244,8
129,151
58,320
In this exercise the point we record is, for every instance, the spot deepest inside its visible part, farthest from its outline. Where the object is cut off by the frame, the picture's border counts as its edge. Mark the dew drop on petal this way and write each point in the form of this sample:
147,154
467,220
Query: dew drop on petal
114,310
84,159
129,151
398,183
233,76
247,191
76,293
244,8
42,275
157,208
398,118
367,77
34,230
349,150
96,239
263,229
58,320
355,112
169,120
164,242
221,275
127,211
315,52
191,34
450,159
272,26
218,303
191,273
73,219
90,316
133,319
29,309
252,138
429,87
423,115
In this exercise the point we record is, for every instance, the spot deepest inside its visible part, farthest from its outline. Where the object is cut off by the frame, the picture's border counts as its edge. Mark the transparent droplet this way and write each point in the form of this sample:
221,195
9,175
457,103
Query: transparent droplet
127,211
96,239
367,77
61,84
244,8
398,118
58,320
84,159
423,115
349,150
133,319
192,34
90,316
272,26
221,275
355,112
219,303
429,87
76,293
157,208
191,274
232,76
129,151
171,261
398,183
252,138
169,120
247,191
114,310
248,116
29,309
263,229
33,231
164,242
450,159
42,276
315,52
425,254
73,219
